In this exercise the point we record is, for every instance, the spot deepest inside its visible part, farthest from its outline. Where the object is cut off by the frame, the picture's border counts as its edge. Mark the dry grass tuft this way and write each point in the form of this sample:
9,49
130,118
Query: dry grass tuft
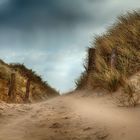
130,96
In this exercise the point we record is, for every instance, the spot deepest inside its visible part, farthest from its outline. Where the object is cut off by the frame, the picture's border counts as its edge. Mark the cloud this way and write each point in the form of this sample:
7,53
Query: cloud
28,14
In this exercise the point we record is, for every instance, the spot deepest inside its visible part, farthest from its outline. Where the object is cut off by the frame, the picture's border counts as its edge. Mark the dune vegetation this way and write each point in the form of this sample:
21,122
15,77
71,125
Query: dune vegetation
123,38
20,84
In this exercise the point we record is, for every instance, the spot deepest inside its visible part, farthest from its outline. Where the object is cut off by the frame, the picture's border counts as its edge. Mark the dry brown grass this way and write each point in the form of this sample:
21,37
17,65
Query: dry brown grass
39,89
130,95
124,37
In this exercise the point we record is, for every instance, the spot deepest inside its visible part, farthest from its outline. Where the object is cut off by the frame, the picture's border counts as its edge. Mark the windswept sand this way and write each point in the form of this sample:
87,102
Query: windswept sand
79,116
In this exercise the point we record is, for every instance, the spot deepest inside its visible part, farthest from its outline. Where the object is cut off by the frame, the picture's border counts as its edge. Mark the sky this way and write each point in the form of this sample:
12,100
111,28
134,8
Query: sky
51,36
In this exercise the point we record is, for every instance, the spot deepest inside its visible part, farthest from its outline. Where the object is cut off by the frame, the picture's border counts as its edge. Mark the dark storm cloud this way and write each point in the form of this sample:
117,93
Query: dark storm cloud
30,13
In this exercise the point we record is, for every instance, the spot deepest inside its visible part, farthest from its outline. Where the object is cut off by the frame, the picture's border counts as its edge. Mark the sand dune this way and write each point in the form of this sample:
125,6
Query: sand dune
72,117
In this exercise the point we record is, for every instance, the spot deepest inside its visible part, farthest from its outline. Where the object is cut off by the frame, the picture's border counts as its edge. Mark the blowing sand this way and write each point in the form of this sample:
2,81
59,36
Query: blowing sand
79,116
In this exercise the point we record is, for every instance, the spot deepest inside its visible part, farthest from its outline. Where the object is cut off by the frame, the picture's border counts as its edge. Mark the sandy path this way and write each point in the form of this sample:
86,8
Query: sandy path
69,118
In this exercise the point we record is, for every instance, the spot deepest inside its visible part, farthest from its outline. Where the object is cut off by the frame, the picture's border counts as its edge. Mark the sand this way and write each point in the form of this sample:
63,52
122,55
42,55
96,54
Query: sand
78,116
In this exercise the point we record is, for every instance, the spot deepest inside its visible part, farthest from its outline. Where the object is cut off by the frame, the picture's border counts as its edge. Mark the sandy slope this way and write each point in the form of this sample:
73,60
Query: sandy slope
79,116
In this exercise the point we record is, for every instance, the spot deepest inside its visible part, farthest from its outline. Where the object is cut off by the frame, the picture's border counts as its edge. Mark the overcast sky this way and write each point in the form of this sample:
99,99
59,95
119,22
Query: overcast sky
51,36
